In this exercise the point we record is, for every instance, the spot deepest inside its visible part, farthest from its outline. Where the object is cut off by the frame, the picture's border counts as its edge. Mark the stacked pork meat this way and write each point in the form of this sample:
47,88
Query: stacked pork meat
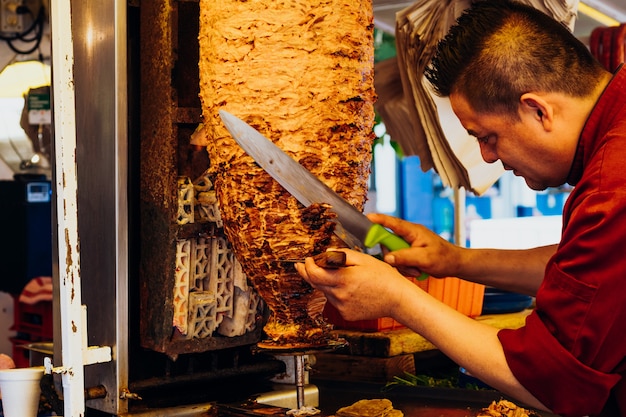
301,72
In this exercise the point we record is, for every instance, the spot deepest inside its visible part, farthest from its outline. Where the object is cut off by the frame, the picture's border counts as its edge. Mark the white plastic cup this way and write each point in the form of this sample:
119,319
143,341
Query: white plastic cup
21,391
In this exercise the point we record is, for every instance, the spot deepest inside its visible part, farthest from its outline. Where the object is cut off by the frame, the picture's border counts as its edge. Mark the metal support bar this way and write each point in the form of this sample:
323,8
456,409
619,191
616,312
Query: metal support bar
460,234
75,352
300,380
67,209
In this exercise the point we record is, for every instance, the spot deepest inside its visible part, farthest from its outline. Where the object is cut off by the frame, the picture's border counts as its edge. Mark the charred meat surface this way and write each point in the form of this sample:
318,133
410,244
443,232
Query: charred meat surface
301,72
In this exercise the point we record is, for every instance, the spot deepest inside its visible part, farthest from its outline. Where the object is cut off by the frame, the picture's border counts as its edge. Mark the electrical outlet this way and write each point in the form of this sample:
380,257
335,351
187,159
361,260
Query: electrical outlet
10,20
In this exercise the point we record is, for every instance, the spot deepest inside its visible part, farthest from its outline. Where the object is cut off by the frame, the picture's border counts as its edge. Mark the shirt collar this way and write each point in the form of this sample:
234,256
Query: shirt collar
609,104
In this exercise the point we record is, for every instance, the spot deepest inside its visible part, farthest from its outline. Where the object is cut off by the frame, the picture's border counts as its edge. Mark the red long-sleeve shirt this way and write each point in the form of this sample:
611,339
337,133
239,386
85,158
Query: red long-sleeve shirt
571,354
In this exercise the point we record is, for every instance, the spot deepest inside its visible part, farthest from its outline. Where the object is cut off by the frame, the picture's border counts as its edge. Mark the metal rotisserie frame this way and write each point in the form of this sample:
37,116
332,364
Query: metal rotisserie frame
136,93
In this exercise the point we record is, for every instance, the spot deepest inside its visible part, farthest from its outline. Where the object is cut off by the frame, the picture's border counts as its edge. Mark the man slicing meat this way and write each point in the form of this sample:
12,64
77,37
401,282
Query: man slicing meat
537,100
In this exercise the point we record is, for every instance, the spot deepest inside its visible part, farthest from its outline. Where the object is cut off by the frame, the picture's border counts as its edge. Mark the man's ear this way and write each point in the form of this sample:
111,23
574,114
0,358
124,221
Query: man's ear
535,106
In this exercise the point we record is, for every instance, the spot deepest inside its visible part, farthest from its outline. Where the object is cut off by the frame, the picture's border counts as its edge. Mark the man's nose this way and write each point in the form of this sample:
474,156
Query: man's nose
488,152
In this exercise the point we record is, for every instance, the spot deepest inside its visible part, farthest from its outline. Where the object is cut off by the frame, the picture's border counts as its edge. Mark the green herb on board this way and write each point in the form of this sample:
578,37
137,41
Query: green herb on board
426,381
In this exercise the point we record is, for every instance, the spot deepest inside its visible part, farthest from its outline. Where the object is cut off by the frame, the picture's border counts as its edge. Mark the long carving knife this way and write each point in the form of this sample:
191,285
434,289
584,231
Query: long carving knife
355,229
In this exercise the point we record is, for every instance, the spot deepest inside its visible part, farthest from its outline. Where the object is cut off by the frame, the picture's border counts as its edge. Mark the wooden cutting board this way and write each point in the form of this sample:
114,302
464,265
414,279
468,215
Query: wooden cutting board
391,343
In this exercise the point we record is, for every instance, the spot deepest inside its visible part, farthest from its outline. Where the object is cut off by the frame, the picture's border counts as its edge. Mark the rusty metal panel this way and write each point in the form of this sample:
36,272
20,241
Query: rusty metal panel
170,112
100,81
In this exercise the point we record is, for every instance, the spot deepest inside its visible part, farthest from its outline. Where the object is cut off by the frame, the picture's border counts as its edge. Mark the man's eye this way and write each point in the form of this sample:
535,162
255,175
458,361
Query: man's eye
486,140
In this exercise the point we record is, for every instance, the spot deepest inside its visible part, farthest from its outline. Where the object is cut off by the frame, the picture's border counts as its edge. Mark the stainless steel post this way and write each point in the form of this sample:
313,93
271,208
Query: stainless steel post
300,376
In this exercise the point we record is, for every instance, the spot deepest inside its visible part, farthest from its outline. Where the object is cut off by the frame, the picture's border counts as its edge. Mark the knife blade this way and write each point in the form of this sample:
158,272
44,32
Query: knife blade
355,229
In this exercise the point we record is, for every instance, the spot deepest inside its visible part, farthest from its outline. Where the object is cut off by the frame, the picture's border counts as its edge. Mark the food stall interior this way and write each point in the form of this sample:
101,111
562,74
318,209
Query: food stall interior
137,105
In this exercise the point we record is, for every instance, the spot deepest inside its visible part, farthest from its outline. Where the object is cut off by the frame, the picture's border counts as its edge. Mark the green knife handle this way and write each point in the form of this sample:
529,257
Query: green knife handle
378,234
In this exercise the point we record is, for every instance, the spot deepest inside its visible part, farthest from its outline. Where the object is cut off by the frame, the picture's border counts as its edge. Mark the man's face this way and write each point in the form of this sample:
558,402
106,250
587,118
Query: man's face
522,145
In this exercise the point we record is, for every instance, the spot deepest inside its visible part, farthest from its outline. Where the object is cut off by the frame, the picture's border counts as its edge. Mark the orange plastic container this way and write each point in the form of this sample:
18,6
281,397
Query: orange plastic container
465,297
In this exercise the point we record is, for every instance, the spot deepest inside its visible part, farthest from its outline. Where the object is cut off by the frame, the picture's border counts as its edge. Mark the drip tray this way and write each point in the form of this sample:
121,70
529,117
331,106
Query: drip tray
287,397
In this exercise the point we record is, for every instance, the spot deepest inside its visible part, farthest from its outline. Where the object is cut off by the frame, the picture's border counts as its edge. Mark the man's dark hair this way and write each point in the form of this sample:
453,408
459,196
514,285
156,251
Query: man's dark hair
499,50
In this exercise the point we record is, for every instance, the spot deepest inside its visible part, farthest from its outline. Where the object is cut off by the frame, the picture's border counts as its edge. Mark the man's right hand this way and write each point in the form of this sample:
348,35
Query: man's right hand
429,252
